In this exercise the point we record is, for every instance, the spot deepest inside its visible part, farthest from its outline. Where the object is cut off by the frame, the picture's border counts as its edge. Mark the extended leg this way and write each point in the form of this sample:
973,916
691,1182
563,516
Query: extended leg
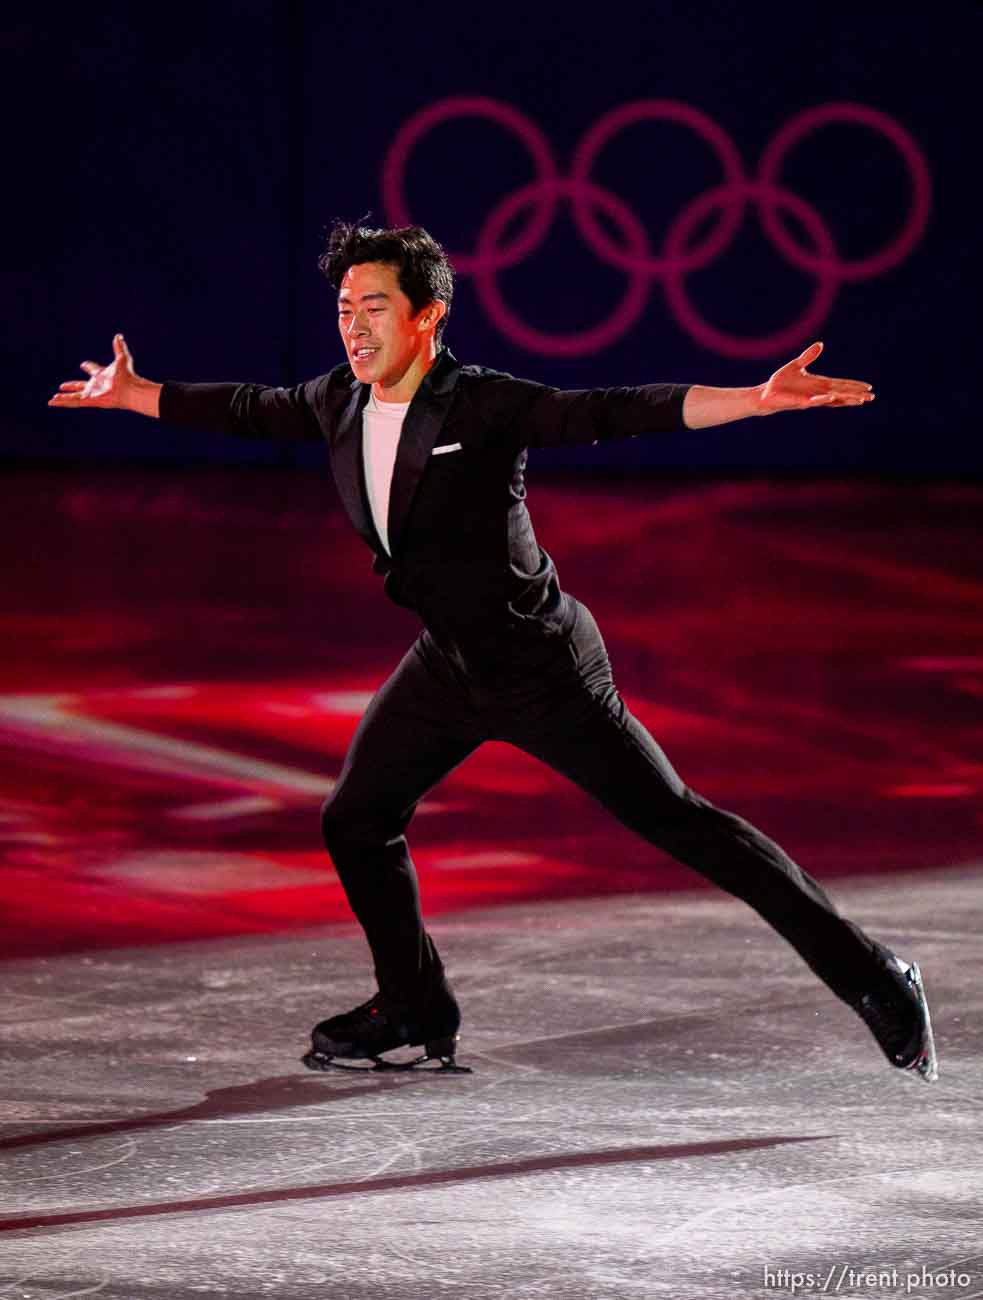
577,722
588,734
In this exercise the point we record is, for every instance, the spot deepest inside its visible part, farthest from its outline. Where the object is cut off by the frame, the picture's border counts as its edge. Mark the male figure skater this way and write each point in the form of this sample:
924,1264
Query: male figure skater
428,456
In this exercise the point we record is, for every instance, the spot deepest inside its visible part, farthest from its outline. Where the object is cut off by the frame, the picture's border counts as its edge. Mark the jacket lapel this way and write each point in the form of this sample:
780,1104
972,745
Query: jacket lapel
421,429
348,469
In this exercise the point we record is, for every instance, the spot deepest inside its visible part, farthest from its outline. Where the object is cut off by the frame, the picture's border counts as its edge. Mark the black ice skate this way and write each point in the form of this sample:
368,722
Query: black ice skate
379,1025
897,1016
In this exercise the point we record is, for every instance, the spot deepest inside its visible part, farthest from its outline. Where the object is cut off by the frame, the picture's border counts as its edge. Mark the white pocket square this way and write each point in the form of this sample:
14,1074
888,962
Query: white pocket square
451,446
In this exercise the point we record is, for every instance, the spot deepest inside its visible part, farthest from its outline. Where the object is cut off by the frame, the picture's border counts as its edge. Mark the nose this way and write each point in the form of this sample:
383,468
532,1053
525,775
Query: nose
359,324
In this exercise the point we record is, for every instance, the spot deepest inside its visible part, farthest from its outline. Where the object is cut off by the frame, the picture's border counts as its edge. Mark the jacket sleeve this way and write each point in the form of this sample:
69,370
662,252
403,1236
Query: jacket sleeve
554,417
249,410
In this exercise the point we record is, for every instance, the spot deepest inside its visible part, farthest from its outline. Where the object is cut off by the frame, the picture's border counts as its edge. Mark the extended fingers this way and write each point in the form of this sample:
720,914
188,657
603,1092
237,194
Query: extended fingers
851,392
92,391
843,385
841,399
71,393
827,384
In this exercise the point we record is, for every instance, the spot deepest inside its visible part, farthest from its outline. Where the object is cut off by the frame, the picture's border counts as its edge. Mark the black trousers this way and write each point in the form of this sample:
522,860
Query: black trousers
555,699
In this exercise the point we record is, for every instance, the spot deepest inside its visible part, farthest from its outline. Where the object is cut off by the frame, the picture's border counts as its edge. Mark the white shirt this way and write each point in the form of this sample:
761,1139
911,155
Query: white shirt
381,426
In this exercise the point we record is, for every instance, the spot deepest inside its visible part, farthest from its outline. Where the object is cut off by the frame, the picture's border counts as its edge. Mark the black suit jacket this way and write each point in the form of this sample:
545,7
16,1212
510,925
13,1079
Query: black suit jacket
464,554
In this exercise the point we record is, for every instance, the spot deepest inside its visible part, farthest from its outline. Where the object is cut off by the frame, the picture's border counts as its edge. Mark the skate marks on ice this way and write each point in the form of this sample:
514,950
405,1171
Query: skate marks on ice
278,1094
618,1139
402,1182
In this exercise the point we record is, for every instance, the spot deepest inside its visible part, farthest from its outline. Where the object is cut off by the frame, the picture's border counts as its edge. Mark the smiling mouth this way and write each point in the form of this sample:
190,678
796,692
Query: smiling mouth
363,354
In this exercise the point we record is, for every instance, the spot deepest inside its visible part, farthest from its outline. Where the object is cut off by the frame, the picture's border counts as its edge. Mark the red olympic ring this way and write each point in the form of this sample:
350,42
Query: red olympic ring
654,110
766,197
394,171
560,345
677,257
897,250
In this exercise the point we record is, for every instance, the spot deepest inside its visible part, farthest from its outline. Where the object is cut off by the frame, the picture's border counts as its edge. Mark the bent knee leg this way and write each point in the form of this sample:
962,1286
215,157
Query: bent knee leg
343,825
348,828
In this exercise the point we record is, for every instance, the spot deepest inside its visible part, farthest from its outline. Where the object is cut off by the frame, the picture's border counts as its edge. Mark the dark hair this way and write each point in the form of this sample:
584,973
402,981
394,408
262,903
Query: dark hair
421,264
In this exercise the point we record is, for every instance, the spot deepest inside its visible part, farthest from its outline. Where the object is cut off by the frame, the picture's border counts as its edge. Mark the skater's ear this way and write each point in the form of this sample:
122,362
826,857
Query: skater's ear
431,315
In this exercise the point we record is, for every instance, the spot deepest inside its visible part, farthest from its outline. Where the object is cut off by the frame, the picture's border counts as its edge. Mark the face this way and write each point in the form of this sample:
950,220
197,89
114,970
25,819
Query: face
381,335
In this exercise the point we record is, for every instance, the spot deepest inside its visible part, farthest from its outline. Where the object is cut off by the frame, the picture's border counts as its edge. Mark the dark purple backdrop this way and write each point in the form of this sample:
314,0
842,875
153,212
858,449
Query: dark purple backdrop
172,170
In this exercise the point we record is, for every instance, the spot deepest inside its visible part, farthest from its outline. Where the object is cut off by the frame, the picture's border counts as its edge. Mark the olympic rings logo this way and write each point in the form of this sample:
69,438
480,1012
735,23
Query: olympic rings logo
681,253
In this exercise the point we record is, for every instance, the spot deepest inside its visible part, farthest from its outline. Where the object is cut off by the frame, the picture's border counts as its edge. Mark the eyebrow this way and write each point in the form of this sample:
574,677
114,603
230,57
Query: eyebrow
343,297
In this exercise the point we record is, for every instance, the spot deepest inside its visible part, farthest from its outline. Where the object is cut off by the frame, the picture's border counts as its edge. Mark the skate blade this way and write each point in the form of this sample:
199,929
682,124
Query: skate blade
432,1061
321,1061
926,1064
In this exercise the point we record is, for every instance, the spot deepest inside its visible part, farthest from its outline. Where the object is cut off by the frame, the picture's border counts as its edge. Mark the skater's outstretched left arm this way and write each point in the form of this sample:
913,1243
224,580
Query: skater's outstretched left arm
551,417
790,388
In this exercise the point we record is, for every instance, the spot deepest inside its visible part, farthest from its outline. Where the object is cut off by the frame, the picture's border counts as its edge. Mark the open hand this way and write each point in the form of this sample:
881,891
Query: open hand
793,388
107,386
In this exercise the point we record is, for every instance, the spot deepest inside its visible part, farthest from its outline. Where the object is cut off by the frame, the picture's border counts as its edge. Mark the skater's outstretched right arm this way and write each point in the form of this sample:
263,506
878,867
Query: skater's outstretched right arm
253,410
113,387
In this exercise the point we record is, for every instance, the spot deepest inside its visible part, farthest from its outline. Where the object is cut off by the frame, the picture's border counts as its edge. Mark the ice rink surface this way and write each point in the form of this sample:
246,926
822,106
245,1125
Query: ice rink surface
665,1102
